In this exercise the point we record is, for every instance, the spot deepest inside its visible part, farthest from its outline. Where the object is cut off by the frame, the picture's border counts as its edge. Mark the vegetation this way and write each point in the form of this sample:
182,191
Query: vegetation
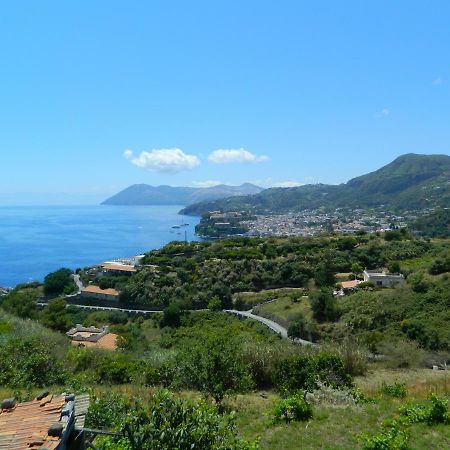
59,282
206,379
436,224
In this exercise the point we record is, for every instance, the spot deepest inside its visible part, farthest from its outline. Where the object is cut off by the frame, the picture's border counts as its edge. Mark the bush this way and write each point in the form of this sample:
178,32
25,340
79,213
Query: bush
107,411
397,390
432,414
391,437
115,369
167,423
292,408
28,362
306,371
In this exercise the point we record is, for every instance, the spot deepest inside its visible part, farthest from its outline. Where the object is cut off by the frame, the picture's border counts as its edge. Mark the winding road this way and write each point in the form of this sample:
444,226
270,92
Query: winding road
276,327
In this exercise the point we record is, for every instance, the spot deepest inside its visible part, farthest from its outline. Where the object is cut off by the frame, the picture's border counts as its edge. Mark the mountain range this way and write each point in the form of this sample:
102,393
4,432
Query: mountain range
410,182
144,194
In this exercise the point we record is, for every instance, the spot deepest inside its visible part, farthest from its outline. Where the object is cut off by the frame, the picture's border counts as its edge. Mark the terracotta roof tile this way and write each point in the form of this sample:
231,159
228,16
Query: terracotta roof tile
97,290
26,425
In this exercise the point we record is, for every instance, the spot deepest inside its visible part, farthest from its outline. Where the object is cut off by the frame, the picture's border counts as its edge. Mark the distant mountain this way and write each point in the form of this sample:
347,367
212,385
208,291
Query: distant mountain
144,194
409,182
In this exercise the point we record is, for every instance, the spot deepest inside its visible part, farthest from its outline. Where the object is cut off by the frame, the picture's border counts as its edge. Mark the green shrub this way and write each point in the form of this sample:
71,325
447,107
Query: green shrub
391,437
397,390
29,362
107,411
292,408
115,369
167,423
305,371
432,414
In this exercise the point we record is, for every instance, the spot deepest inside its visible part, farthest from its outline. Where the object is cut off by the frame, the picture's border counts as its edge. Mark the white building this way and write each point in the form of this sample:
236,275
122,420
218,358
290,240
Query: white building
383,279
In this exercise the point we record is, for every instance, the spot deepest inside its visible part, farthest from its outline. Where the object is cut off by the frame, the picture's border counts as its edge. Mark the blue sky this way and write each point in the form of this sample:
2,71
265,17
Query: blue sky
288,92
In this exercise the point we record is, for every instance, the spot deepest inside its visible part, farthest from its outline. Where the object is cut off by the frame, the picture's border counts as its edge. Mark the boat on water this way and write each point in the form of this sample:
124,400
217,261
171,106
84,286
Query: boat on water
176,226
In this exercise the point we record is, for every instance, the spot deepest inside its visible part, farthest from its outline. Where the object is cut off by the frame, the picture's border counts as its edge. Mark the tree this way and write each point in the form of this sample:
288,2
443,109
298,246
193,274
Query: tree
215,304
55,283
325,274
394,267
297,329
357,268
324,306
214,368
171,316
54,315
21,303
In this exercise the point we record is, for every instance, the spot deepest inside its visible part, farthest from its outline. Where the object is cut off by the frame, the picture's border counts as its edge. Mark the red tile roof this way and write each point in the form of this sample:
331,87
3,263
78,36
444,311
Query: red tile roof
350,284
26,425
96,290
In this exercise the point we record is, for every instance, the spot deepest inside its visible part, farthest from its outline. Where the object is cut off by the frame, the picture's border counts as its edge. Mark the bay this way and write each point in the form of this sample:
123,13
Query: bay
35,240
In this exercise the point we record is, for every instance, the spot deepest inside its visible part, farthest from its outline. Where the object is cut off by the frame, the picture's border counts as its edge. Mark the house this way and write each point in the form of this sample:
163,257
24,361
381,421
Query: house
95,292
118,269
346,287
383,278
349,285
92,337
46,422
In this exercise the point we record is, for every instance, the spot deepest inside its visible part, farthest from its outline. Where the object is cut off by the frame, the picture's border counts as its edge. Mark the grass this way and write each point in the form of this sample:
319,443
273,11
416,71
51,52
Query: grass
252,299
342,427
332,426
284,310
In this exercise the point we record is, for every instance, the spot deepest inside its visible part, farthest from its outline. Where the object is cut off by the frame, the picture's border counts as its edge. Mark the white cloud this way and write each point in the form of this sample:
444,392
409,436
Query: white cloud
240,155
383,113
169,160
437,81
205,184
287,184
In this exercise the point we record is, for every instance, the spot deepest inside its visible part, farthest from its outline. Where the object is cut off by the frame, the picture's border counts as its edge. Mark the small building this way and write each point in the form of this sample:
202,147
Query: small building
95,292
346,287
92,337
118,269
349,285
383,278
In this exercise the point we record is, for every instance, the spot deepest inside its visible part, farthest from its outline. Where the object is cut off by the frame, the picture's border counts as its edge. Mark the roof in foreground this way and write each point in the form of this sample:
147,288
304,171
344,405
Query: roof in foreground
26,425
97,290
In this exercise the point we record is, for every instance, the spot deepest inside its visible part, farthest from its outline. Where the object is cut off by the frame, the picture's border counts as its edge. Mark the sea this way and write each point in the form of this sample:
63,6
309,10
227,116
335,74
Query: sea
36,240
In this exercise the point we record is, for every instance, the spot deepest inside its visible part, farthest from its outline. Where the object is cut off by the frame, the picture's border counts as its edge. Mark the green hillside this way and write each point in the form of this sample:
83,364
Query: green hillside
409,182
436,224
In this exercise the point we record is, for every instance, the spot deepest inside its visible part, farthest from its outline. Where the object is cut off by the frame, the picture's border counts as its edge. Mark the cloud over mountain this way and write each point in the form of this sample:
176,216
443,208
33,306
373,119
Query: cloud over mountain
168,160
240,155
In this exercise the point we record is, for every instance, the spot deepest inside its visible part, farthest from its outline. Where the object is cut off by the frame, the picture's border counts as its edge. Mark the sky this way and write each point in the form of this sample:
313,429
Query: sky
97,95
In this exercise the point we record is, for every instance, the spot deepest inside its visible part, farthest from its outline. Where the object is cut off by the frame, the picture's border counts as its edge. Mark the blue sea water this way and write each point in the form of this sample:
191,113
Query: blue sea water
35,240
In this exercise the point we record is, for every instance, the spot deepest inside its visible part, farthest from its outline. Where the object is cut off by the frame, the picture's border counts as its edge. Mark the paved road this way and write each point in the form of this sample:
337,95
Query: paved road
78,282
276,327
111,308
